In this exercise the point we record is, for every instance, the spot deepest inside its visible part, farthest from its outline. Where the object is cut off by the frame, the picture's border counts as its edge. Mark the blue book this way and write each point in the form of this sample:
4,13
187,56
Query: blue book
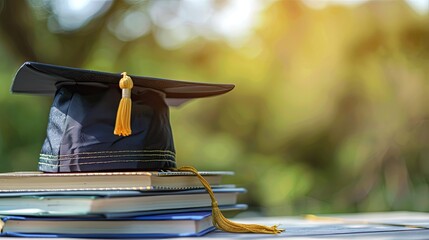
159,226
223,208
113,203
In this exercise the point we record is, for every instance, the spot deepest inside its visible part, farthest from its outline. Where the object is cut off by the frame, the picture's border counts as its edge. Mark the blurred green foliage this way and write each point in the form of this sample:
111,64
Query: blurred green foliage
330,108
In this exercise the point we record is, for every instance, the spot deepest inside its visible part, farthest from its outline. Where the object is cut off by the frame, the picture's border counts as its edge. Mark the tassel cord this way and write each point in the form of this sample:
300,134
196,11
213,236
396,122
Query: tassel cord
222,223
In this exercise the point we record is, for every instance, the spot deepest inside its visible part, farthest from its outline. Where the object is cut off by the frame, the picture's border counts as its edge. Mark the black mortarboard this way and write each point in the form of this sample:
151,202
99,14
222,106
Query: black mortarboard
82,117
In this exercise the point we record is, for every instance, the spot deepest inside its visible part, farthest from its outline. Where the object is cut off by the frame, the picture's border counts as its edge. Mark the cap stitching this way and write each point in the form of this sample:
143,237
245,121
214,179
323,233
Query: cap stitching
105,162
107,152
105,156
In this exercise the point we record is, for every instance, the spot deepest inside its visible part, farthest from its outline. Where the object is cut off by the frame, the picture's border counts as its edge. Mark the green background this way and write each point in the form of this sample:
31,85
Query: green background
330,111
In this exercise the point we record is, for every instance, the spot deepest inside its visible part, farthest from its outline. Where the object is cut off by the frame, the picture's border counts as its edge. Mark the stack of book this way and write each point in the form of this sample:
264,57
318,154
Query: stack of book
111,204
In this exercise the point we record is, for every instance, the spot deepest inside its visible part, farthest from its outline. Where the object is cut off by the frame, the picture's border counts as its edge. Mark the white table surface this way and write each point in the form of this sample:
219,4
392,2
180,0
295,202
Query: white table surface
388,225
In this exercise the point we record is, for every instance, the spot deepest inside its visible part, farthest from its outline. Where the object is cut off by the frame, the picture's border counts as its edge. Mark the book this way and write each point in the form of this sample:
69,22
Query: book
223,208
112,202
164,225
38,181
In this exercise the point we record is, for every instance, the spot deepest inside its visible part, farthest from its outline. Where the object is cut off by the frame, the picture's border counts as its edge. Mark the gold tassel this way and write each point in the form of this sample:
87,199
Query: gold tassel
222,223
123,117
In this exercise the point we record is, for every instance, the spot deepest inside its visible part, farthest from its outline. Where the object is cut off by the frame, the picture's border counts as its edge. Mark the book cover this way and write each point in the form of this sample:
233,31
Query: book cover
114,202
99,181
164,225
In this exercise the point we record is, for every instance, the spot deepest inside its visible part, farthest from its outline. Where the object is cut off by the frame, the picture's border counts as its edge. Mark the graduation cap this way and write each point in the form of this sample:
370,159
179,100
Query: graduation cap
115,122
93,126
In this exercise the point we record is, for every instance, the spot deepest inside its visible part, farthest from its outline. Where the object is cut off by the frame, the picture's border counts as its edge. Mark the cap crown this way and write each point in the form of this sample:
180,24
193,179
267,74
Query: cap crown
82,118
79,135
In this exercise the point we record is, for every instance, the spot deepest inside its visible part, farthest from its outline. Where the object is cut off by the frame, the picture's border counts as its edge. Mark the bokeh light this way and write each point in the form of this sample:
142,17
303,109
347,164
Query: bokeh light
329,113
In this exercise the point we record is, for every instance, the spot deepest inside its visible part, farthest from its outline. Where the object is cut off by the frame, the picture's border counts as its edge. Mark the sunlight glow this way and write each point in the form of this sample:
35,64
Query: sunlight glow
420,6
236,20
73,14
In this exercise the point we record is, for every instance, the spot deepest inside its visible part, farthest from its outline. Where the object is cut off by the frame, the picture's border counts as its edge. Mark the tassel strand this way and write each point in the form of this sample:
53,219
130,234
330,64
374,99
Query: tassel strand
222,223
123,117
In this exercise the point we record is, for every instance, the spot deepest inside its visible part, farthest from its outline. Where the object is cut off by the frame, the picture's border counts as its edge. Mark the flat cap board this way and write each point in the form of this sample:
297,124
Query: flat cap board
42,79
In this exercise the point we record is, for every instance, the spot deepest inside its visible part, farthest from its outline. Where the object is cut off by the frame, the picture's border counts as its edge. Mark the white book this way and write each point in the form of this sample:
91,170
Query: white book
38,181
